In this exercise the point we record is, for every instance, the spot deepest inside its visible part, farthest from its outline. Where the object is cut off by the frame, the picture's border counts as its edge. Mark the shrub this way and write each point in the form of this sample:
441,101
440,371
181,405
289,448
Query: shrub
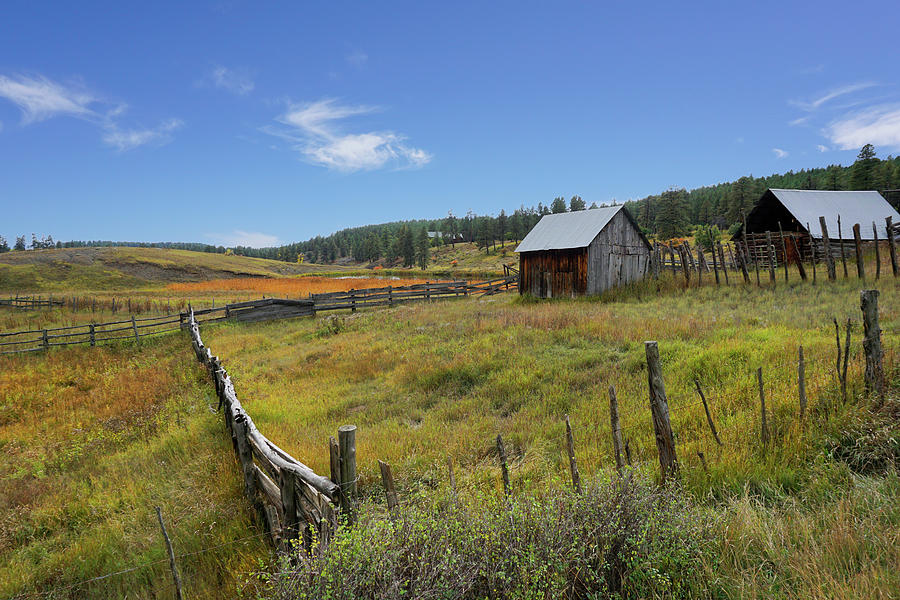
707,236
626,538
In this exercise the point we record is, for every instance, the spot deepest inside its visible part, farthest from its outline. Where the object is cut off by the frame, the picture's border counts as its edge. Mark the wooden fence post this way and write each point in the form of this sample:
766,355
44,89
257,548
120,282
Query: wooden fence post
843,255
877,252
857,240
715,263
783,251
93,338
616,429
889,229
134,327
826,245
45,340
573,467
722,262
743,262
334,458
800,267
390,492
801,383
762,406
712,426
347,443
812,251
699,265
504,470
874,374
659,407
771,252
171,553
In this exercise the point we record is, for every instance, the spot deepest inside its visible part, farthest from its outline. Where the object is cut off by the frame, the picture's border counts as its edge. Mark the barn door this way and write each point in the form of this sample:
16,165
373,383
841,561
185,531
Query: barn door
546,285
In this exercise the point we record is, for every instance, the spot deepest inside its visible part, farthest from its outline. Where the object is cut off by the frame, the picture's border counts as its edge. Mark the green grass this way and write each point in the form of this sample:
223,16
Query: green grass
92,440
427,382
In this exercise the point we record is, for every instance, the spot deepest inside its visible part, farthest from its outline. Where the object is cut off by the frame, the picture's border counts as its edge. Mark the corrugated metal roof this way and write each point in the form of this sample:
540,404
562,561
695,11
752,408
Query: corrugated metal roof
853,207
575,229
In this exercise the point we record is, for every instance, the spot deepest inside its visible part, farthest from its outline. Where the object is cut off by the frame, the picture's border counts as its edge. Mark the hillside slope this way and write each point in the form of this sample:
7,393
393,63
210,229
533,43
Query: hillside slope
117,268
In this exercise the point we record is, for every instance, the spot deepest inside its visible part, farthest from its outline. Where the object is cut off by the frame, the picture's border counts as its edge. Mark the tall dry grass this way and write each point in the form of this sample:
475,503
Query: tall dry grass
295,286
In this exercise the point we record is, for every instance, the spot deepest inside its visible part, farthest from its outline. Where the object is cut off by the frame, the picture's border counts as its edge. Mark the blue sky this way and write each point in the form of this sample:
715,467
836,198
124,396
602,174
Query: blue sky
261,122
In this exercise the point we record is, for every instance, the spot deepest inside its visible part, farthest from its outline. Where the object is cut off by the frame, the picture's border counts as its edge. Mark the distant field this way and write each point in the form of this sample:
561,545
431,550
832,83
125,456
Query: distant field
94,269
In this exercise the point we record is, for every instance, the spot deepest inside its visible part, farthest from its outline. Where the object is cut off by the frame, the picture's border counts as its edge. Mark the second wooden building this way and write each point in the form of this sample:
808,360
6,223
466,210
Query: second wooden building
583,252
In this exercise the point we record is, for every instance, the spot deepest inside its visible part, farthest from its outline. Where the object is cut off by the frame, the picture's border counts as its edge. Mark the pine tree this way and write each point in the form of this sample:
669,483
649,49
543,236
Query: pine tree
422,246
558,205
671,215
576,203
20,243
4,246
863,170
501,226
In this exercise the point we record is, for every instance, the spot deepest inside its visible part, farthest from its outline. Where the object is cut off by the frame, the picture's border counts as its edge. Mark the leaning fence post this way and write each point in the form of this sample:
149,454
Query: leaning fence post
659,407
334,456
387,479
889,229
783,251
770,250
501,451
762,407
171,553
857,240
347,443
843,254
616,429
812,251
826,243
800,268
712,426
877,252
570,447
874,373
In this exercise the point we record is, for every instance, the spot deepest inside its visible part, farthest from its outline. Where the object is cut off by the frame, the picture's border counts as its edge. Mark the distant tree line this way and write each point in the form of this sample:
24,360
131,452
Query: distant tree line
707,211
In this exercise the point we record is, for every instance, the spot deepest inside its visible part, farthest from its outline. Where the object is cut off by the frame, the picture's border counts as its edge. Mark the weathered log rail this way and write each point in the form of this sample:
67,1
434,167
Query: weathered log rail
31,302
288,496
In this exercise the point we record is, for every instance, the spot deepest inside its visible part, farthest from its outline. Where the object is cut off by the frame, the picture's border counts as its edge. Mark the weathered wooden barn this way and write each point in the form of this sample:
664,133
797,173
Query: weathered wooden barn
797,212
583,252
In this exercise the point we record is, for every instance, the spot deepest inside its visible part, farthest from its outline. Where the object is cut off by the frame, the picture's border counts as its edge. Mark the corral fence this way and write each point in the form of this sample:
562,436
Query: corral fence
32,302
254,310
773,250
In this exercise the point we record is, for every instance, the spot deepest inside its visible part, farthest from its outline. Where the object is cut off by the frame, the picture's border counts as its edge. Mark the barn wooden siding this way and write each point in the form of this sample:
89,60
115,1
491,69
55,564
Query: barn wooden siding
553,273
617,256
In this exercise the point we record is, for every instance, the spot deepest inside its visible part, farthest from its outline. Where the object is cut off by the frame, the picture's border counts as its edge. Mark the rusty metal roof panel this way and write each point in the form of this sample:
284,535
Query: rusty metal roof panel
853,207
576,229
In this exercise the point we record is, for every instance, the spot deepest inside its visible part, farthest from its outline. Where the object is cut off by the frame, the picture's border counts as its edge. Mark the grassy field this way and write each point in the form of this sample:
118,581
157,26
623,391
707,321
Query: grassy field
429,382
90,446
92,440
70,270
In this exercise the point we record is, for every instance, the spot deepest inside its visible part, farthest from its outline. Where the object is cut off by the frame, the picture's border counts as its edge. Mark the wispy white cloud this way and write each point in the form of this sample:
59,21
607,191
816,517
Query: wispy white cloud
800,121
779,153
814,104
238,237
822,148
40,98
878,125
234,81
358,59
129,139
313,130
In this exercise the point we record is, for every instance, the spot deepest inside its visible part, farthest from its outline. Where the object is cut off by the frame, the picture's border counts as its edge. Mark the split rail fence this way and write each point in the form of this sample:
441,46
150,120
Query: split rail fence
254,310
